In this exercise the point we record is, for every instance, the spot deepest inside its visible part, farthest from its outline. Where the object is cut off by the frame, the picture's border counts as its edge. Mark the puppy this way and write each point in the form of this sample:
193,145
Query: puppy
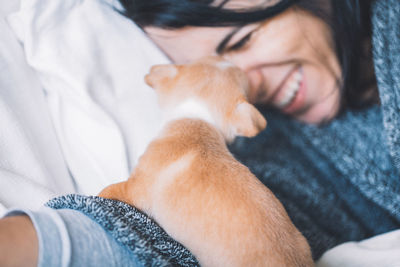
189,182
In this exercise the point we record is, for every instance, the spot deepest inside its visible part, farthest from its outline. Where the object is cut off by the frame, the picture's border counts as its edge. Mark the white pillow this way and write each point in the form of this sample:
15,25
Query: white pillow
91,62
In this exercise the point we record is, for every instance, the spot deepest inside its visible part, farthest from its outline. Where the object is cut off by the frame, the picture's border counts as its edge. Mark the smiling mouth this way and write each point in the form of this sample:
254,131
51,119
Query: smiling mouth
288,91
286,96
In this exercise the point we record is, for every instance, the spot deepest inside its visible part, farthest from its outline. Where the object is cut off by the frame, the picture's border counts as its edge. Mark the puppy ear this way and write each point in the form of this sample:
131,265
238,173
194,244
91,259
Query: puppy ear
159,73
247,120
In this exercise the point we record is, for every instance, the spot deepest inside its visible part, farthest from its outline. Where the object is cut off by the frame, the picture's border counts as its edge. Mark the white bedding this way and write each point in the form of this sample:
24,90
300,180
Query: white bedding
379,251
30,173
91,62
77,71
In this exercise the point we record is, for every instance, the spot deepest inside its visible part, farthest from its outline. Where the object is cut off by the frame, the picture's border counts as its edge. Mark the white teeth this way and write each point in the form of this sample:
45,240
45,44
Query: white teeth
291,89
298,76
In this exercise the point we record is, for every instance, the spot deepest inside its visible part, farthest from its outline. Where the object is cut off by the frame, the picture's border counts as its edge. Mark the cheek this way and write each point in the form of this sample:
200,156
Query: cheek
323,96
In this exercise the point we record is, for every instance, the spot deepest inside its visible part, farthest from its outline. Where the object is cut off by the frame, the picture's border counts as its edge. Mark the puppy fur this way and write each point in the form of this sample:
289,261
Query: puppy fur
190,183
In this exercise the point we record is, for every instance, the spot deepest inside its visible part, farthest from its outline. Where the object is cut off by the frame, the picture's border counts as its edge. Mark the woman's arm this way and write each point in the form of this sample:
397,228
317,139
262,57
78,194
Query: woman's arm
58,238
18,242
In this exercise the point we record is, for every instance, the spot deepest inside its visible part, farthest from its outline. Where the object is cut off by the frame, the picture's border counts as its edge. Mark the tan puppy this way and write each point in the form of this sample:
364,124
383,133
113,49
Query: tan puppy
189,182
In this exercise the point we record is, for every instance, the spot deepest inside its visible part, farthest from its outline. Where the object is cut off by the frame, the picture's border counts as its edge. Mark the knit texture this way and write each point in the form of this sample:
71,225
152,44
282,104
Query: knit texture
338,182
130,227
386,41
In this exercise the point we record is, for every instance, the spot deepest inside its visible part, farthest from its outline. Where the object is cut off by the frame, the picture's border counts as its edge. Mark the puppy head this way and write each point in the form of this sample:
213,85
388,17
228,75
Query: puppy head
217,84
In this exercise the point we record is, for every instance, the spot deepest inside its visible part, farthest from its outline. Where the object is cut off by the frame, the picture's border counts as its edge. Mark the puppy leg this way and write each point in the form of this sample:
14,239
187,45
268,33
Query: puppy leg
130,192
115,191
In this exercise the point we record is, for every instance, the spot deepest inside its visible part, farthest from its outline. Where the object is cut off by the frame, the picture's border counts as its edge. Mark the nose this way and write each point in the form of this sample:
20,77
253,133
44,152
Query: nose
253,74
255,82
254,77
265,77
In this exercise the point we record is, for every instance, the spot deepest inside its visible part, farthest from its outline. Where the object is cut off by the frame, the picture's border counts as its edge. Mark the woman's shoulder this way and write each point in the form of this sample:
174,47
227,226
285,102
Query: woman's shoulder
386,51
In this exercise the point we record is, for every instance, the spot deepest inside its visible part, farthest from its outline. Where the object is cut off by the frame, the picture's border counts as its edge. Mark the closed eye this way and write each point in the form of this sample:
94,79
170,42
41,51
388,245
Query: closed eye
223,45
241,43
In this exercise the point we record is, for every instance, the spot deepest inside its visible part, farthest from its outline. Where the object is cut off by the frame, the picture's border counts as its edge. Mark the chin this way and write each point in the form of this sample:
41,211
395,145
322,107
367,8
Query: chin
319,117
315,121
322,112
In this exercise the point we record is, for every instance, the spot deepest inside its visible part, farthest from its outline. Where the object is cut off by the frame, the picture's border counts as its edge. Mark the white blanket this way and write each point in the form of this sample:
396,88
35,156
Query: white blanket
32,168
91,62
380,251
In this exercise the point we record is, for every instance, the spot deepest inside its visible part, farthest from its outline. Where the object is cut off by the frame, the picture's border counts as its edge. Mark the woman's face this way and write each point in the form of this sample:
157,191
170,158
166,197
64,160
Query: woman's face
289,60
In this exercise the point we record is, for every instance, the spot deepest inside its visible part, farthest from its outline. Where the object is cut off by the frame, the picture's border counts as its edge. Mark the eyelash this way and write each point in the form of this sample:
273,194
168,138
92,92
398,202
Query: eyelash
240,43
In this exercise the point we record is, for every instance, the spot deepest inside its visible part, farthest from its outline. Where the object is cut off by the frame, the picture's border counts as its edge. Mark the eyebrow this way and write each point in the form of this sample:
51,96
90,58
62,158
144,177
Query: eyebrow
221,46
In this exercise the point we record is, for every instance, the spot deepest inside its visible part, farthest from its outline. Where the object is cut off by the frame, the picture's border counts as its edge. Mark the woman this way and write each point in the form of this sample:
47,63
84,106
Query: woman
311,60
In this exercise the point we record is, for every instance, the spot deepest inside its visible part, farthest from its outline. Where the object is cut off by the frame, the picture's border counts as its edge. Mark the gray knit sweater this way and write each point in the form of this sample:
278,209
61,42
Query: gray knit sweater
338,183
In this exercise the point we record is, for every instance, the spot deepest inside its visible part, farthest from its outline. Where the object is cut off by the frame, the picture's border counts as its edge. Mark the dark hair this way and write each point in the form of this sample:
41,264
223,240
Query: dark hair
350,22
348,19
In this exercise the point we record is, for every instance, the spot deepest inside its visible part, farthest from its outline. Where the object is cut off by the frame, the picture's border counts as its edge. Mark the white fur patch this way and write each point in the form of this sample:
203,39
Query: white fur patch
224,65
167,175
190,108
